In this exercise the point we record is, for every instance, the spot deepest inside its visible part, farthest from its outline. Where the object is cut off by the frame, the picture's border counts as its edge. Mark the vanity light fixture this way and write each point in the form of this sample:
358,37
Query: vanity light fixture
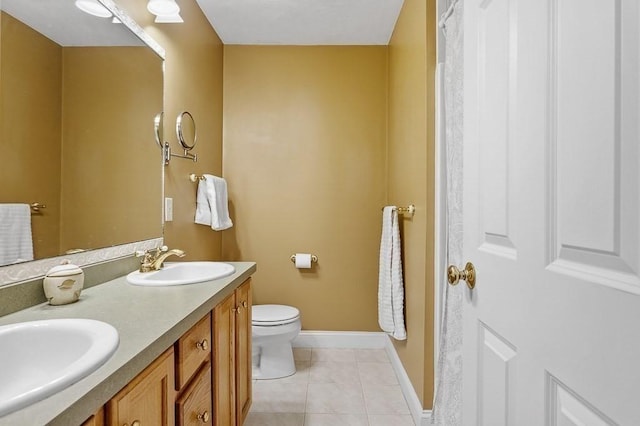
93,7
166,11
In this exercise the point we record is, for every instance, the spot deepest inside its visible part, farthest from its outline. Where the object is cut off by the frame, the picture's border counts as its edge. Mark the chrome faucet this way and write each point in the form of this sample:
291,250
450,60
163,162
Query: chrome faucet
153,259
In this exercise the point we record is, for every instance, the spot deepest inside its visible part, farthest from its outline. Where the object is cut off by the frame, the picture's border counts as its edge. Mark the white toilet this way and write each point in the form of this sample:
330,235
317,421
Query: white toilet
273,329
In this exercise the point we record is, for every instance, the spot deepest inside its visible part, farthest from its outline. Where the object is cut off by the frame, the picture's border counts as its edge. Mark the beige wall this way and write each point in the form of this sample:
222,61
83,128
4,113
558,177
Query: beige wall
411,179
107,93
304,156
193,82
30,123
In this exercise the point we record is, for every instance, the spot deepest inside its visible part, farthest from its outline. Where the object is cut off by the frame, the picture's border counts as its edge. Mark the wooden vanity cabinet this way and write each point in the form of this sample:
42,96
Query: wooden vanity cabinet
232,357
149,398
203,379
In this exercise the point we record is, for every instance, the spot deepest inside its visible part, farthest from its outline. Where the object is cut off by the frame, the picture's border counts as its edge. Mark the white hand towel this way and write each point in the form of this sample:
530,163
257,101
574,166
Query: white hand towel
390,284
15,233
212,204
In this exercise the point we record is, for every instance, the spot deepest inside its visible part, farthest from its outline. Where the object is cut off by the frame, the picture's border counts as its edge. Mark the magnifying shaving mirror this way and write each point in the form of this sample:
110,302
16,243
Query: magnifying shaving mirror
186,131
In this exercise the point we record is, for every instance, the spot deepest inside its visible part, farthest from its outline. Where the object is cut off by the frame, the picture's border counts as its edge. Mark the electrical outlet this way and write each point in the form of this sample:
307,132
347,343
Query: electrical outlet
168,209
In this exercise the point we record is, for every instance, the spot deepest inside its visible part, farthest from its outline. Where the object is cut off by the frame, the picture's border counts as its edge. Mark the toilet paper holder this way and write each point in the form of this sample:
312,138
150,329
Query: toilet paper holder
314,258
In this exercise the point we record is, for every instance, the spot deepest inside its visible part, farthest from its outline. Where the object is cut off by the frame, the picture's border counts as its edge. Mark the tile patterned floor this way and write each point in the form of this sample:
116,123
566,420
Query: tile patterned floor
333,387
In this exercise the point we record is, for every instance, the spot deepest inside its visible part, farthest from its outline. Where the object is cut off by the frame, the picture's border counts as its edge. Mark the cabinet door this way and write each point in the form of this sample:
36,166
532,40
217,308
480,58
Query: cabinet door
193,408
243,351
96,420
224,386
148,399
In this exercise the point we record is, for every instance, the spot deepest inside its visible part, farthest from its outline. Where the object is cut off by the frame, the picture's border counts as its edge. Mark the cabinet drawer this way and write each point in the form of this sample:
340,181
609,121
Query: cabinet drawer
193,349
149,398
194,406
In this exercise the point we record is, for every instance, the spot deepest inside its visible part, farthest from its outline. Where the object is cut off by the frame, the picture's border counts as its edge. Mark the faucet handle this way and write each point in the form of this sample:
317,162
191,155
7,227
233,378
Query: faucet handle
163,249
140,253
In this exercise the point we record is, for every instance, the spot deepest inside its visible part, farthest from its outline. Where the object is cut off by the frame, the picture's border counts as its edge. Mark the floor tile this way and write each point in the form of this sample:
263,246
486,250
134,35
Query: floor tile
385,400
274,396
377,374
302,354
334,372
390,420
333,398
333,355
274,419
335,387
301,375
371,355
336,420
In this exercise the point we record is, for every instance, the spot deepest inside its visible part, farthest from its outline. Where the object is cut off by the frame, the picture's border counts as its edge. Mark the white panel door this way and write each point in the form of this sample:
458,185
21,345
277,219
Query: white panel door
552,212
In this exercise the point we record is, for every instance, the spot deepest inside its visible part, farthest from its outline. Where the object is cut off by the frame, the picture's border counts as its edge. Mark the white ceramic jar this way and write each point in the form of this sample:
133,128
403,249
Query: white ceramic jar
63,283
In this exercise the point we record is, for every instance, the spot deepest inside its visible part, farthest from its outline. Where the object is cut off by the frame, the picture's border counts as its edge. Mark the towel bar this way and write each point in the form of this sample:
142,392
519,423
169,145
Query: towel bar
194,177
35,207
411,209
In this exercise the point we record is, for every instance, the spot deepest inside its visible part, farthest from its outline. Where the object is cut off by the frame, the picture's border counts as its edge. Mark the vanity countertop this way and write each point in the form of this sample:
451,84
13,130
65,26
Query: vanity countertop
148,319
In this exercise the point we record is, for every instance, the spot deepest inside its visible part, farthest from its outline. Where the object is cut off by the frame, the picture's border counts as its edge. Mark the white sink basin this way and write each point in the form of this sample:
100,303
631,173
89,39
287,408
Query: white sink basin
179,273
40,358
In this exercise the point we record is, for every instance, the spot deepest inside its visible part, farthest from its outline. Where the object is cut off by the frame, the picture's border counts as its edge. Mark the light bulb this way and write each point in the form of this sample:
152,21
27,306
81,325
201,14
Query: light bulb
92,7
163,7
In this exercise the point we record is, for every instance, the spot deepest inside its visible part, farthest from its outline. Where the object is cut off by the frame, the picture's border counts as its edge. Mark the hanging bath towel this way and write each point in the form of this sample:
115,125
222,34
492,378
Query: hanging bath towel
15,233
390,284
212,205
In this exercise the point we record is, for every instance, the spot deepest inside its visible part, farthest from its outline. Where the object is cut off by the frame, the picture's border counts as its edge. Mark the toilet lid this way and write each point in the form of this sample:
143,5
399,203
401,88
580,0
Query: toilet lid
273,314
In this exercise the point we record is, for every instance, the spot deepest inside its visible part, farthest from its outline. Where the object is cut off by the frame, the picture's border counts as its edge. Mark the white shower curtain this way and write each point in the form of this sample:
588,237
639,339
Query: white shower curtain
447,409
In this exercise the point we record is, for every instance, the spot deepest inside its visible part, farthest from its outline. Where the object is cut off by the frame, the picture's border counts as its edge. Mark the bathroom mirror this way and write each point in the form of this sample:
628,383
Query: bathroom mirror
79,95
186,130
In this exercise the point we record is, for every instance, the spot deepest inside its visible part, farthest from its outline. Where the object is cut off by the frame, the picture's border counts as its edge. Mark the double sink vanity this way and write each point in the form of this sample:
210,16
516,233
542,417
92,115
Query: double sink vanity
182,355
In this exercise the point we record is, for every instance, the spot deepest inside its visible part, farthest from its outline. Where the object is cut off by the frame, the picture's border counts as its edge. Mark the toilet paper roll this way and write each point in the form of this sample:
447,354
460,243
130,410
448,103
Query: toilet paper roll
303,260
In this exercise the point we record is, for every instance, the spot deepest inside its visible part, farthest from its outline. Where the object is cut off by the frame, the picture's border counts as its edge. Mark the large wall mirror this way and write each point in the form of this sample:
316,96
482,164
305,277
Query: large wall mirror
78,97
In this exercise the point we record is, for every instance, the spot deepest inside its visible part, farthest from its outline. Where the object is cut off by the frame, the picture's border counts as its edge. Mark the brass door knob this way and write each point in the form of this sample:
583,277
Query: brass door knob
468,274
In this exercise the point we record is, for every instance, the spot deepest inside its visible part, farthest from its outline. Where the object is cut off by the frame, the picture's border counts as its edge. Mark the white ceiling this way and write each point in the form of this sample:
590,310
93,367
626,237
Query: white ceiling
303,22
67,25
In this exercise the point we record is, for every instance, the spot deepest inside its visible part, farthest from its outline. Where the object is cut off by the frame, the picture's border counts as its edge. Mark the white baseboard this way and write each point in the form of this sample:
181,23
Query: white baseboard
420,416
368,340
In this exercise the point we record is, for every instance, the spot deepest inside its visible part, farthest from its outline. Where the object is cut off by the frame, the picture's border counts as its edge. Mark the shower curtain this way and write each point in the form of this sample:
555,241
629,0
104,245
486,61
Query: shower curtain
447,408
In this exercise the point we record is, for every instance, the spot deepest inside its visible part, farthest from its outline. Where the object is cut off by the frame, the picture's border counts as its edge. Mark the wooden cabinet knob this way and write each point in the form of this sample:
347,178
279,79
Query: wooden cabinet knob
242,305
202,344
204,417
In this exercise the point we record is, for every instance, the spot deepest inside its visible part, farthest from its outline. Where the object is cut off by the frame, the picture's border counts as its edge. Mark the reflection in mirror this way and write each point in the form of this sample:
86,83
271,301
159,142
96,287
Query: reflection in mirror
158,126
186,130
79,94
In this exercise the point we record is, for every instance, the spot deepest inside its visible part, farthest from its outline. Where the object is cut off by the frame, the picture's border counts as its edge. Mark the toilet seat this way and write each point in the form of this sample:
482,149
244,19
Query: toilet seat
273,315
